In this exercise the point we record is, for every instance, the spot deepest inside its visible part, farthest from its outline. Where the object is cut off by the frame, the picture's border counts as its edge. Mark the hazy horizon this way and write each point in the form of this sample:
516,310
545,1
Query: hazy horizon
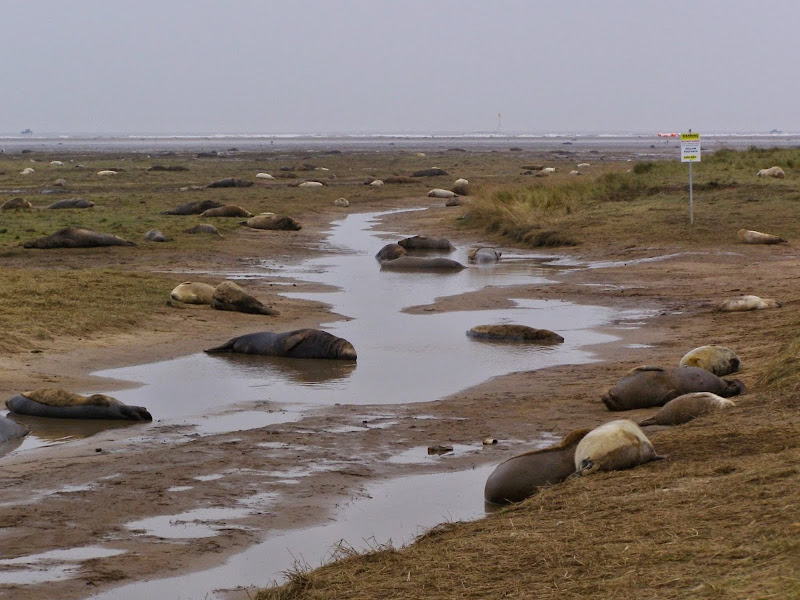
98,67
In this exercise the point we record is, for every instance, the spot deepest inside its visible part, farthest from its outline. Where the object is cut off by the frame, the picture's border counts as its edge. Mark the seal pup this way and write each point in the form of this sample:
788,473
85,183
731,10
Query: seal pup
11,430
61,404
772,172
264,176
311,184
719,360
229,210
343,202
440,193
390,252
272,221
71,203
155,235
422,242
229,296
106,173
193,208
742,303
193,292
454,201
613,446
460,187
521,476
748,236
484,255
687,407
203,228
77,237
300,343
418,263
17,204
647,386
513,333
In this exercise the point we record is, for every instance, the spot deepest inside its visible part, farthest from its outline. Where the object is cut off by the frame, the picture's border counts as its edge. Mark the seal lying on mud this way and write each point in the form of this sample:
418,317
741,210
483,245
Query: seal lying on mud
421,242
756,237
229,296
193,208
193,292
77,237
301,343
743,303
61,404
11,430
390,252
521,476
687,407
418,263
484,255
719,360
71,203
513,333
273,222
644,387
203,228
613,446
17,204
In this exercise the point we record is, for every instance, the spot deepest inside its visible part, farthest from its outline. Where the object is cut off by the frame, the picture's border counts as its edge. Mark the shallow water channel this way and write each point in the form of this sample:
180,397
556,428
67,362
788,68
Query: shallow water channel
402,358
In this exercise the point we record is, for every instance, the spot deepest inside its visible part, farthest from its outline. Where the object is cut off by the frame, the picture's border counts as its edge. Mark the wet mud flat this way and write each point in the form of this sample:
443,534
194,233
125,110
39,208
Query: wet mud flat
327,430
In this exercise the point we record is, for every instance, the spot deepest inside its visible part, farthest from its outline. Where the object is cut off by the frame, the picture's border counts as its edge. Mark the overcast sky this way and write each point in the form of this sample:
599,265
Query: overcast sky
282,66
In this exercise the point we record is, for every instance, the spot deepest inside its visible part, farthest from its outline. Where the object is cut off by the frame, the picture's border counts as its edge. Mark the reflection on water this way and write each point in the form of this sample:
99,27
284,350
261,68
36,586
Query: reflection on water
307,371
47,431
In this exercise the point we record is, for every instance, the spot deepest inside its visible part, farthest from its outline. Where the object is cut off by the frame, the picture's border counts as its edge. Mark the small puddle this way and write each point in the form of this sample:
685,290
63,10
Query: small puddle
49,566
414,504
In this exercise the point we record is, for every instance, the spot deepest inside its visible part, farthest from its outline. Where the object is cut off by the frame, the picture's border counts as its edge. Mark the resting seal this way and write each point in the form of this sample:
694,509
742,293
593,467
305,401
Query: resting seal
440,193
521,476
17,204
301,343
155,235
484,255
513,333
229,182
77,237
687,407
432,172
193,208
742,303
11,430
461,187
203,228
418,263
71,203
613,446
193,292
66,405
229,210
273,222
421,242
390,252
719,360
748,236
644,387
229,296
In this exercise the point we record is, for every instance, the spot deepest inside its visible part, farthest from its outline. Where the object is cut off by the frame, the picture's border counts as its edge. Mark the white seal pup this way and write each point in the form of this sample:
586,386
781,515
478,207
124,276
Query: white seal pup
742,303
749,236
613,446
719,360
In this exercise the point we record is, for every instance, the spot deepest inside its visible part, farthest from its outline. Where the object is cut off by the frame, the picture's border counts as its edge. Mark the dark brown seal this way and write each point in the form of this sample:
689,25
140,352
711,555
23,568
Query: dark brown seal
646,386
300,343
521,476
421,242
390,252
274,222
419,263
513,333
193,208
229,210
77,237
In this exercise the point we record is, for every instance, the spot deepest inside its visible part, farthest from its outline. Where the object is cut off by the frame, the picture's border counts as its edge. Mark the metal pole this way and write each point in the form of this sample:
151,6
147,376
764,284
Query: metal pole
691,200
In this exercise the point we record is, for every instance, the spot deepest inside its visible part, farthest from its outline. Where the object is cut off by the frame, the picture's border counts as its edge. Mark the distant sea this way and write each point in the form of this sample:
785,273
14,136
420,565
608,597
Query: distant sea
630,144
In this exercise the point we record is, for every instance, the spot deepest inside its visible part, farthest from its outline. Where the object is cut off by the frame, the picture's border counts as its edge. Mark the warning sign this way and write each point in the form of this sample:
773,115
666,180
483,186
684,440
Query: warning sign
690,147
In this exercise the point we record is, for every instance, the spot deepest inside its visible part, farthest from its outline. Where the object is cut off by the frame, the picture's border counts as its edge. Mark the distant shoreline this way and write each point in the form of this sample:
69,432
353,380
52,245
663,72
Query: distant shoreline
632,145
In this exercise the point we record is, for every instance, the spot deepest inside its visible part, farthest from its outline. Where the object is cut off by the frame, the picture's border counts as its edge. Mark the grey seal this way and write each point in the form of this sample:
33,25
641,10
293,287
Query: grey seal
300,343
57,403
77,237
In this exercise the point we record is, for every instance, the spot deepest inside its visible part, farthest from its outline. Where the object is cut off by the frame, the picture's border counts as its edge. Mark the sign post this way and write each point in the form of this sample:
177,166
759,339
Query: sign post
690,152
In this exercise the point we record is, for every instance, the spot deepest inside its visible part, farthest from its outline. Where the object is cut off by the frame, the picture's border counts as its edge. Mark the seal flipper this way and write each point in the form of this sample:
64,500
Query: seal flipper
226,347
648,421
293,340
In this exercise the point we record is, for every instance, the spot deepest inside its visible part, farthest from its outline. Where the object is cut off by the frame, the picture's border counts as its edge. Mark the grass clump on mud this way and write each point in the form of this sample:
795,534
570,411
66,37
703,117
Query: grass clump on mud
645,204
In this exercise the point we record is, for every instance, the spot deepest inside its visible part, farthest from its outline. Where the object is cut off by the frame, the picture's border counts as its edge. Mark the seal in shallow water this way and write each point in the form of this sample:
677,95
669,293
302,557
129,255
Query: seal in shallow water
57,403
419,263
646,386
613,446
300,343
521,476
11,430
422,242
513,333
484,255
687,407
390,252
